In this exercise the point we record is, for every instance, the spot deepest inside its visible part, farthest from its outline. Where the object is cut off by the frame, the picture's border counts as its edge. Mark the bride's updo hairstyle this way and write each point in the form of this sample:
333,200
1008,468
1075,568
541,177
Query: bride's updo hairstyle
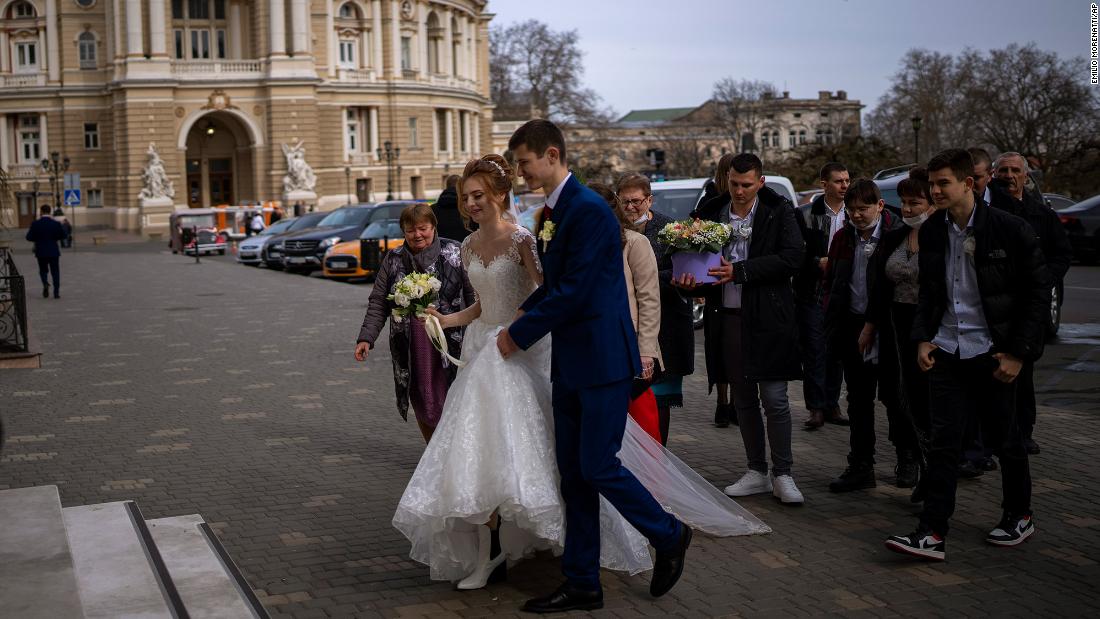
496,177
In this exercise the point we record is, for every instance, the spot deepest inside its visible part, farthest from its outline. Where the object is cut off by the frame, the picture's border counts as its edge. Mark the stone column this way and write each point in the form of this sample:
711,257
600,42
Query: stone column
276,27
332,43
43,63
376,37
395,39
475,127
450,128
134,35
53,49
4,60
43,138
299,27
422,40
235,33
373,122
5,143
448,43
156,29
116,21
471,46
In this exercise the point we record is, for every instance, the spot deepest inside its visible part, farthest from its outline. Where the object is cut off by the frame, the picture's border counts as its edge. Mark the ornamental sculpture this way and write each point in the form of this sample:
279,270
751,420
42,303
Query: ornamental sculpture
299,176
155,178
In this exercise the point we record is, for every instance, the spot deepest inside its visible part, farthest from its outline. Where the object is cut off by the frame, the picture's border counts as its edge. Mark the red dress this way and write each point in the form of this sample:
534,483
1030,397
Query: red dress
644,411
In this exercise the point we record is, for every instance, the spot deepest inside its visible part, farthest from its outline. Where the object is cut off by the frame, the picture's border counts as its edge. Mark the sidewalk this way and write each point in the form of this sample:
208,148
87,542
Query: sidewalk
230,391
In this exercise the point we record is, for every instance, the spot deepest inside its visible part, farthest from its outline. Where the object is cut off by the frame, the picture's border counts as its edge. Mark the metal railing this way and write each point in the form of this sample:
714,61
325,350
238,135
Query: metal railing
13,306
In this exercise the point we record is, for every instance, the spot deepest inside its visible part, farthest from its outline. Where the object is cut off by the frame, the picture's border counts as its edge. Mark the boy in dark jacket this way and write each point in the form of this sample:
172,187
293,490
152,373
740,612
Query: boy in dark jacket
984,293
850,280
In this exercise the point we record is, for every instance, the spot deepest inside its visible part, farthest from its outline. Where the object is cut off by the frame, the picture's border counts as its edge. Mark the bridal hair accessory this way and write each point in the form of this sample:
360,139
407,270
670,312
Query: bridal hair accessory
495,165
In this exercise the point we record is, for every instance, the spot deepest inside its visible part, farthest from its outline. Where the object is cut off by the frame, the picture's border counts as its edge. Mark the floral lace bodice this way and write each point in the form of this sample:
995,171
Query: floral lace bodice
500,279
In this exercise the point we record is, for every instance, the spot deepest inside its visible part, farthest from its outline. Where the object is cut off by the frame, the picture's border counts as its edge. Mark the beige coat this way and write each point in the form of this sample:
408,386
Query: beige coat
644,293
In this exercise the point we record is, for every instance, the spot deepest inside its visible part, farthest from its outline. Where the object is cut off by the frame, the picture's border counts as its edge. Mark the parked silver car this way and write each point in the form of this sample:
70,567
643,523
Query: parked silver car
250,250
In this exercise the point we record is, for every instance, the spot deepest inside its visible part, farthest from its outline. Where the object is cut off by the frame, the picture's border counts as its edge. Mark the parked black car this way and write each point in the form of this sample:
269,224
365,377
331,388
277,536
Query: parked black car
1082,224
272,252
304,251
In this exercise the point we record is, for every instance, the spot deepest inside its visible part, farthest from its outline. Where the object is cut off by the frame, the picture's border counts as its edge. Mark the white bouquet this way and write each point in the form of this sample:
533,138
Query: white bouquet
413,294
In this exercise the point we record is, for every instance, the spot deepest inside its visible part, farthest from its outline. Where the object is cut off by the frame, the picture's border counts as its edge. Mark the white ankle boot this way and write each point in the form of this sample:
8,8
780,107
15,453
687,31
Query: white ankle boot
485,565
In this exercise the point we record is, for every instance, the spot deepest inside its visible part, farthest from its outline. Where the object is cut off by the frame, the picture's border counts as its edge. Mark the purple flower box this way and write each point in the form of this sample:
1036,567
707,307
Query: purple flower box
697,264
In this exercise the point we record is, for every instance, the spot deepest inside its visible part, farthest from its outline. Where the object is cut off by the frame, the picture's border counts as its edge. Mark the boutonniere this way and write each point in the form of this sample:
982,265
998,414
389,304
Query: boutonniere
968,245
546,234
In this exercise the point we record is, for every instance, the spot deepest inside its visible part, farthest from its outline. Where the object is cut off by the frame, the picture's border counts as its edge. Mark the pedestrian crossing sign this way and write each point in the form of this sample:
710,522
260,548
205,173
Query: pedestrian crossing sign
72,197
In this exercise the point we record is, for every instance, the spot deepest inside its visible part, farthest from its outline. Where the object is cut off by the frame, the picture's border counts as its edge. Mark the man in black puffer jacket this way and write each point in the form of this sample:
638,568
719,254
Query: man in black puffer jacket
984,293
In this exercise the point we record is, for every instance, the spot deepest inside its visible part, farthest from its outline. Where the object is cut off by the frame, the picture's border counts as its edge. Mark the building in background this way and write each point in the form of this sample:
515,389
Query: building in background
222,88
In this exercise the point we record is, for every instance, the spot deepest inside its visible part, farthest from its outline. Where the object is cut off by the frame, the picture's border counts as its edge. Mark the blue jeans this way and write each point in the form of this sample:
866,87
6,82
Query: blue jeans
823,373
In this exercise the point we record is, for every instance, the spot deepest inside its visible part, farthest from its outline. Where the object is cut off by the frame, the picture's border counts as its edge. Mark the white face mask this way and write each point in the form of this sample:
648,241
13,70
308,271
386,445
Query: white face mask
915,222
870,226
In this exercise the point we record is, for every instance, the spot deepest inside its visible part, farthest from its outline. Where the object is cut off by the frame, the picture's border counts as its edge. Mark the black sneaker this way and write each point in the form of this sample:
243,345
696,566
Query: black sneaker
1011,531
921,543
854,478
969,470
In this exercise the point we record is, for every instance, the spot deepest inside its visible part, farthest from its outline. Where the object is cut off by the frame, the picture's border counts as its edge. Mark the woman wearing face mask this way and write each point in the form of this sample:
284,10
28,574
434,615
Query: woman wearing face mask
420,376
903,386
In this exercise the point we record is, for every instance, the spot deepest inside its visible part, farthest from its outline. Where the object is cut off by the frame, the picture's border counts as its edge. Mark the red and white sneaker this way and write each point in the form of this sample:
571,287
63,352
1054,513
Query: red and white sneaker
1011,531
921,543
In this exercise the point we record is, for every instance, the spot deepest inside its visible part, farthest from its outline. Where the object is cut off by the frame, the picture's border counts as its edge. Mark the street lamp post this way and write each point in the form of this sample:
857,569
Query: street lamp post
56,166
916,138
347,175
391,155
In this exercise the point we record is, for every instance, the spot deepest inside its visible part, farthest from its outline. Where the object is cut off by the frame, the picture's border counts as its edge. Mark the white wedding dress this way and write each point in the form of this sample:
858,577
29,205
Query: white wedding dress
493,450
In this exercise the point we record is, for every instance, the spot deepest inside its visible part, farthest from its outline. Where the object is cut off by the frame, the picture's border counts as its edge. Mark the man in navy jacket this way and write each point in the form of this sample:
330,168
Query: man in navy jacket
45,232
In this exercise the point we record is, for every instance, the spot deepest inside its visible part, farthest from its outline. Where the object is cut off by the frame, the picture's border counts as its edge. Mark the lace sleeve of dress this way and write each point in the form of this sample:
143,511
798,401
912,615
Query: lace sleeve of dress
465,252
526,253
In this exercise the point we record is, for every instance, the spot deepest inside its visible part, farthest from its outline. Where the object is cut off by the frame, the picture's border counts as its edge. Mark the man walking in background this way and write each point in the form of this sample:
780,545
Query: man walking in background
45,232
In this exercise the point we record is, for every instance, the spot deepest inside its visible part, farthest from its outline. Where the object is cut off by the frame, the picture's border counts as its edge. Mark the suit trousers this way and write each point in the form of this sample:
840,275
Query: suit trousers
588,428
823,373
47,266
959,390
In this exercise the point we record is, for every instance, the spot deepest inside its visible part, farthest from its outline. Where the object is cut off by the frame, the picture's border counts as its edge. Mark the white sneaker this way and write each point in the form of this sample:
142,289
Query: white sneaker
753,482
784,489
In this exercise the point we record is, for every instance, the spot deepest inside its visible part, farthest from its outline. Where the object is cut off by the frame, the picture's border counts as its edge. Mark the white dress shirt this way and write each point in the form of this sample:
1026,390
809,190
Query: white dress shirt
836,221
552,197
735,251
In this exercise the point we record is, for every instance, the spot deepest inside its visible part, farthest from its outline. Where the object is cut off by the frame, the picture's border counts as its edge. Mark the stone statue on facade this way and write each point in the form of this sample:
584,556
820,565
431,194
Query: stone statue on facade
299,175
155,178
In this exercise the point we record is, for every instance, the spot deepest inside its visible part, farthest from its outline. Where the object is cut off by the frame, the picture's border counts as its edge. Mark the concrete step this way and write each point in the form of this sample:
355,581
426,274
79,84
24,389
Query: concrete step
37,579
209,583
118,569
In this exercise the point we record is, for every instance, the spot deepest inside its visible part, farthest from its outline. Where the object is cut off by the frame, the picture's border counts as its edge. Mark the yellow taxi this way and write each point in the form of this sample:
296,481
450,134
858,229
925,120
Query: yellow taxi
343,260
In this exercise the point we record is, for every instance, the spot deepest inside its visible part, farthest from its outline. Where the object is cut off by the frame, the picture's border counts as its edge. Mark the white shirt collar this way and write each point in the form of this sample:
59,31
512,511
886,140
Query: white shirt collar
969,224
552,199
829,209
749,216
985,195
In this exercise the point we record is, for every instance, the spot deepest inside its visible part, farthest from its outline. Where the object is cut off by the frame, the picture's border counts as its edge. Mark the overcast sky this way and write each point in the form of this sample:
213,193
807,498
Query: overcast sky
653,54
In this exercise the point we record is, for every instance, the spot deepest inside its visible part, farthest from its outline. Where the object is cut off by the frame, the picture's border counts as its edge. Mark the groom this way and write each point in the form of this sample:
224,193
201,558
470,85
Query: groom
594,358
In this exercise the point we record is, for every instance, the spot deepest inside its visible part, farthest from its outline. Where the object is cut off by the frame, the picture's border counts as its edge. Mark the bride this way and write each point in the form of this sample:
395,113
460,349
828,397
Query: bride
486,489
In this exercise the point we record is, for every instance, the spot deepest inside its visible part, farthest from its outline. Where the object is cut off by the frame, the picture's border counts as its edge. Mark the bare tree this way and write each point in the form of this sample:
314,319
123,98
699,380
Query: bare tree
537,71
738,111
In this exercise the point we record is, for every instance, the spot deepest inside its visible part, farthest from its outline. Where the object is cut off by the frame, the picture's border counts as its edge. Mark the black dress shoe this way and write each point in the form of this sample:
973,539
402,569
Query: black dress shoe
969,470
45,292
815,420
722,415
566,598
987,464
669,565
854,478
908,472
1031,446
836,417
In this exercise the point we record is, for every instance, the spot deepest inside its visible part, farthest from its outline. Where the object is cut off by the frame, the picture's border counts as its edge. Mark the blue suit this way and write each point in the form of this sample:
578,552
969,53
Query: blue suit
594,358
45,232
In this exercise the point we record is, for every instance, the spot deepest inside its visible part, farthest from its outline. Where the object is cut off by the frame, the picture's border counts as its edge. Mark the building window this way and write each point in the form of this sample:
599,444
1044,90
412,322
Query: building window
819,137
30,150
347,54
406,53
91,136
792,138
26,56
463,125
414,133
763,141
198,9
179,44
86,49
775,139
802,137
357,130
95,198
441,124
352,130
347,11
435,42
22,9
221,44
203,23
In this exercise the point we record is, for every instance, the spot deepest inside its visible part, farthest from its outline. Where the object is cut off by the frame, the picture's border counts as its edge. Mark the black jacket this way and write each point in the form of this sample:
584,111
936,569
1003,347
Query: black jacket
677,335
814,223
1043,220
450,221
838,275
45,232
1013,281
769,331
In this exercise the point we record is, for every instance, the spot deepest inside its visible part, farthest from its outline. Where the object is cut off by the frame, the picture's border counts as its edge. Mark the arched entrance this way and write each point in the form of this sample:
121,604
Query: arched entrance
219,162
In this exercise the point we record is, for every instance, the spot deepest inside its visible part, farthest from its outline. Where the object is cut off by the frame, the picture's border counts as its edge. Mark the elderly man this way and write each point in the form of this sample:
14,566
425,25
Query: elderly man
1008,192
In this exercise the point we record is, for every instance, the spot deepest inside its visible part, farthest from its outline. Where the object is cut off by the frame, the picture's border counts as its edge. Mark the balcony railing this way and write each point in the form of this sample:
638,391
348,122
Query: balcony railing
22,170
22,80
345,74
217,69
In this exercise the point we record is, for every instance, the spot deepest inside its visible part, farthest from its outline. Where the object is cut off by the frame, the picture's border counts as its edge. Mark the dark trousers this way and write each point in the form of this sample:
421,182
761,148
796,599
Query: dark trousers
1025,398
862,379
909,426
588,427
823,374
50,265
959,390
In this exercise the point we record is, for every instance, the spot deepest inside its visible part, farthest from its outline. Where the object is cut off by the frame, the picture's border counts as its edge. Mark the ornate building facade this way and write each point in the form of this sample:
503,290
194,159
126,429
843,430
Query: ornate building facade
241,101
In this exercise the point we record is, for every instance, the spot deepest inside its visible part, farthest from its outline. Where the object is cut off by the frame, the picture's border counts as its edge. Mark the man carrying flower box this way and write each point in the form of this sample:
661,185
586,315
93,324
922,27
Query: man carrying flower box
754,346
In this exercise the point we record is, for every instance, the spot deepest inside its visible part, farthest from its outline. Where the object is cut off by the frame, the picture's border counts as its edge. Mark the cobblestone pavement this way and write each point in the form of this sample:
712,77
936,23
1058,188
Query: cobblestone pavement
231,392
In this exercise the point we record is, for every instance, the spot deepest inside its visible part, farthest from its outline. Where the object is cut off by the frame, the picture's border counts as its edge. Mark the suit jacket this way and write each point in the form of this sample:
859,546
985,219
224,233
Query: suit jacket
582,300
45,232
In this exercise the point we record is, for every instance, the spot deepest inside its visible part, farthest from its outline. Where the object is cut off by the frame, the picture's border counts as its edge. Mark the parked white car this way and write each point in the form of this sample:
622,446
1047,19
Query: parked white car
250,250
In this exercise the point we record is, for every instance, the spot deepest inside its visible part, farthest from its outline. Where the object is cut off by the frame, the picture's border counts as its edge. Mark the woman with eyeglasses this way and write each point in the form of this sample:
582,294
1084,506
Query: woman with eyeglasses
677,332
